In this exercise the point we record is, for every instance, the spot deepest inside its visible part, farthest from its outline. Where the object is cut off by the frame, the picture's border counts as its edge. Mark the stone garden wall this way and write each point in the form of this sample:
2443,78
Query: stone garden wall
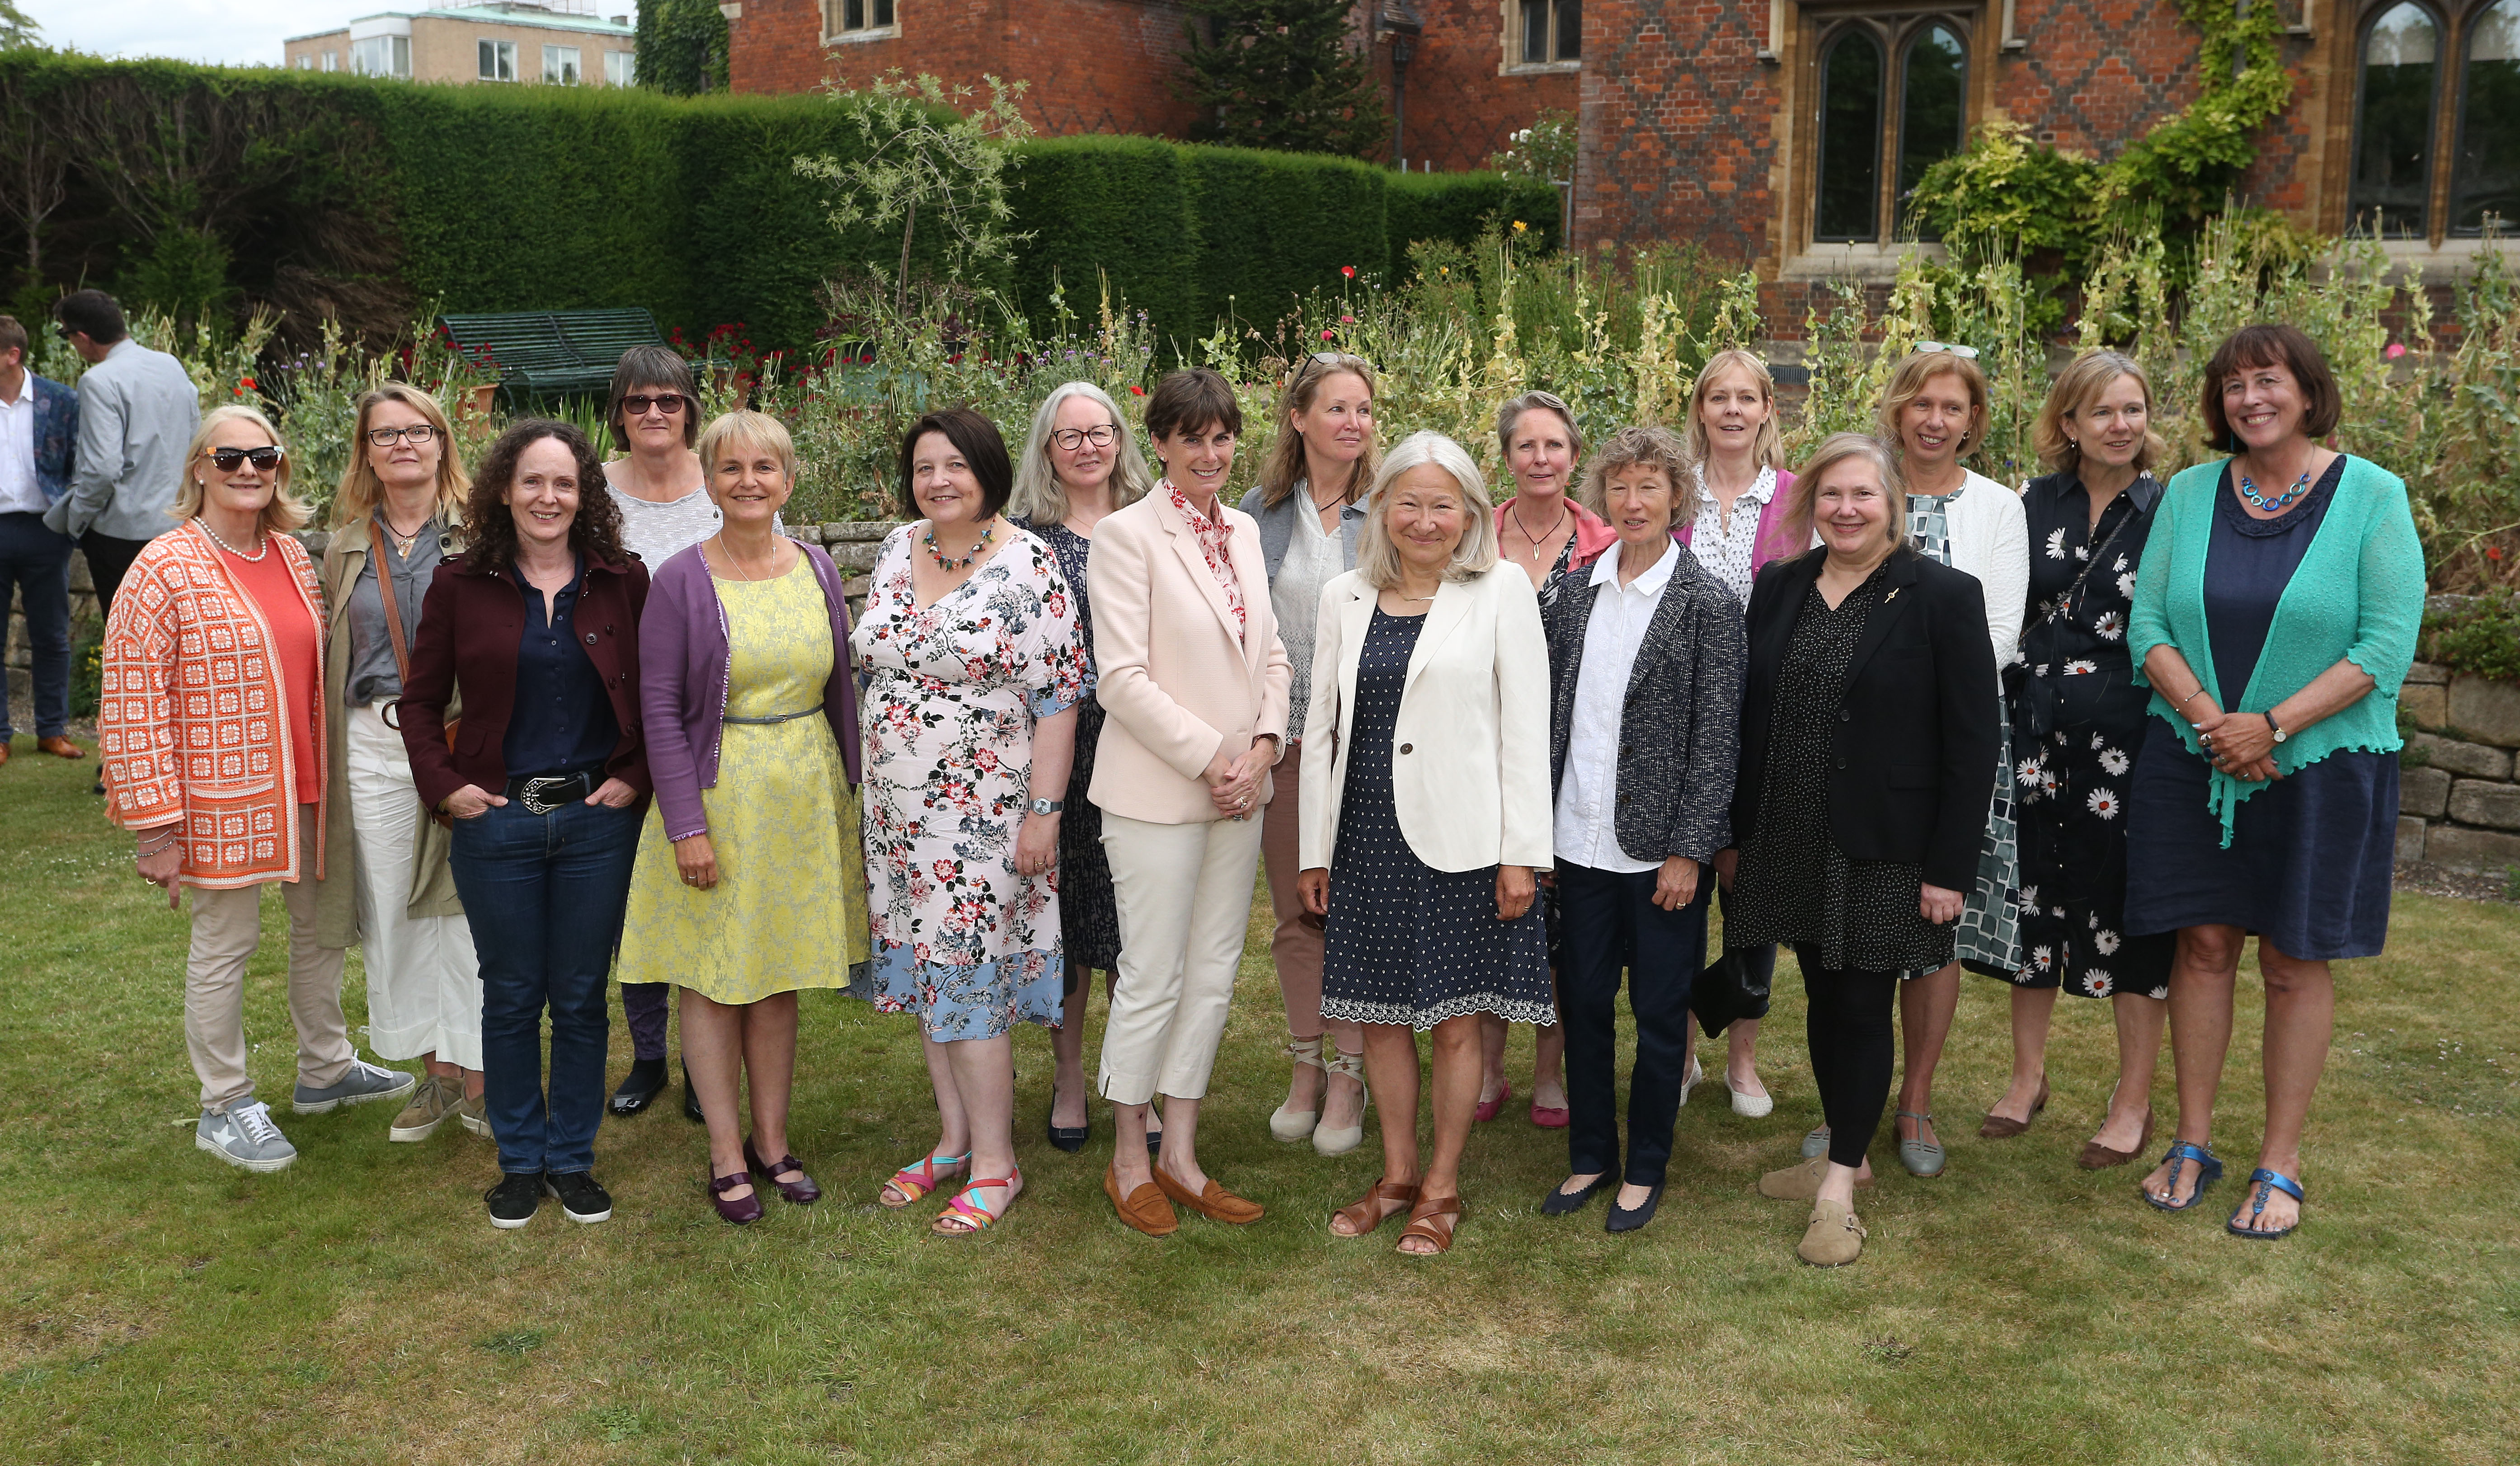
2458,805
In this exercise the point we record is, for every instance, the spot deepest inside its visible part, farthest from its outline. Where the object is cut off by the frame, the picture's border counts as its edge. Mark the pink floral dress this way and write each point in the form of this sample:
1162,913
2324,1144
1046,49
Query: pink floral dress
953,692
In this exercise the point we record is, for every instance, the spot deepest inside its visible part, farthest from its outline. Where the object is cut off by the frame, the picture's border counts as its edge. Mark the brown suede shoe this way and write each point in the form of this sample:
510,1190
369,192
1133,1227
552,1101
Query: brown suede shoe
1143,1209
1216,1203
1799,1182
60,747
1835,1237
3,753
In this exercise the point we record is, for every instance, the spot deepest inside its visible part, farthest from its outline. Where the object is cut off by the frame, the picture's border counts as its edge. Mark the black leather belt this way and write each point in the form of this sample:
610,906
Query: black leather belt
544,794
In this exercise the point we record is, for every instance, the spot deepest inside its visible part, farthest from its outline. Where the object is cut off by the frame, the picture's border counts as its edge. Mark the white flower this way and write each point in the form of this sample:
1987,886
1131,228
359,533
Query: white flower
2106,941
2030,897
2081,666
2103,803
2121,564
2056,544
2111,626
2099,741
2027,774
2113,761
2099,982
2042,958
2126,585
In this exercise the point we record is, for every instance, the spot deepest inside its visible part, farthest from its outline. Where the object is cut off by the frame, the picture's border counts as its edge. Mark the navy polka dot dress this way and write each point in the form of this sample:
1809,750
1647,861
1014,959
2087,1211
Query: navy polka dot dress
1405,942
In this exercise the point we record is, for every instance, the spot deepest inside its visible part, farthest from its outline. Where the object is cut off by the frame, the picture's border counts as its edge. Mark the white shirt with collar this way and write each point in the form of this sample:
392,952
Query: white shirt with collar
1729,551
19,491
1586,831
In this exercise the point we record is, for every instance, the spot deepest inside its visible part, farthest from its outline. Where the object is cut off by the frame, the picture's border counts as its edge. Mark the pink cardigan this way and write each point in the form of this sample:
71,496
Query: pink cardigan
1776,540
1593,533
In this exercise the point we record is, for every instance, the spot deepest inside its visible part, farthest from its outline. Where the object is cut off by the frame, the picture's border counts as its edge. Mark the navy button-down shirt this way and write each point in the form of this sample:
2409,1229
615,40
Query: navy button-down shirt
562,721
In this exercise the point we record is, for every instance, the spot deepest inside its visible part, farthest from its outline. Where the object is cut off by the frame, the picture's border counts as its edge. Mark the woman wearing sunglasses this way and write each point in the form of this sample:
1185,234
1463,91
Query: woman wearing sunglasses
211,724
393,522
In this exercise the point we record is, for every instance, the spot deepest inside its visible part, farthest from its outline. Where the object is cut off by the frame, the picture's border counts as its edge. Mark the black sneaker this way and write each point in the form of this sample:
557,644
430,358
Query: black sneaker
514,1199
580,1198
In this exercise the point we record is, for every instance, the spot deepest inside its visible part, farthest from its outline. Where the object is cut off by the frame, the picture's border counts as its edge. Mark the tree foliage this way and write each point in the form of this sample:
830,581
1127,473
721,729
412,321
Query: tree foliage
1285,74
17,28
923,151
682,47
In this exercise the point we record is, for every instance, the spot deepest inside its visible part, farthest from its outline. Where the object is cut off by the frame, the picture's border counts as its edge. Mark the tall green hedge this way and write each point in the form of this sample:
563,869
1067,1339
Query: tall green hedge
376,197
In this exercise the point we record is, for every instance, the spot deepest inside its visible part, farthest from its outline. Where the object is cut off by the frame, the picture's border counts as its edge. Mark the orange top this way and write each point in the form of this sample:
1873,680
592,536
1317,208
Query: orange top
271,584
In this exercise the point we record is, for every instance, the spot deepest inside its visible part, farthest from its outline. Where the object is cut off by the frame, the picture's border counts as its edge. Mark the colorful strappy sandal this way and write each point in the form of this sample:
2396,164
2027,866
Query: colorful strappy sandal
914,1183
2267,1182
2208,1171
967,1217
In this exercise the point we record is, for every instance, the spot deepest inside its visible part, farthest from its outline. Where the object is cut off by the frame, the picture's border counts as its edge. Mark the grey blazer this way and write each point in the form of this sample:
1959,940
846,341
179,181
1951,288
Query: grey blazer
1278,528
138,411
1680,730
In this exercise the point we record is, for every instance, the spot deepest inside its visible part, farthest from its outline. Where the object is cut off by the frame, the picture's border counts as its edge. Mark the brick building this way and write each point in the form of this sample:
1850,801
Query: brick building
561,42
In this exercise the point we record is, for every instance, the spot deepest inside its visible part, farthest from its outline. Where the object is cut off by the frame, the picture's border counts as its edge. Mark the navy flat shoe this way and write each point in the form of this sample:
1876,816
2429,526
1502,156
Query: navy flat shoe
1628,1218
1561,1202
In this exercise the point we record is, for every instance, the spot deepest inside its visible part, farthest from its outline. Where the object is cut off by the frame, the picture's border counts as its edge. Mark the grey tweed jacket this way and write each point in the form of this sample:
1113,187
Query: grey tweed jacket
1679,733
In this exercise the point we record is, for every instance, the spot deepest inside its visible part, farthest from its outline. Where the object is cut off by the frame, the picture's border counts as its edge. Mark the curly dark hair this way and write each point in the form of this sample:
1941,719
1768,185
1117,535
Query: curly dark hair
491,526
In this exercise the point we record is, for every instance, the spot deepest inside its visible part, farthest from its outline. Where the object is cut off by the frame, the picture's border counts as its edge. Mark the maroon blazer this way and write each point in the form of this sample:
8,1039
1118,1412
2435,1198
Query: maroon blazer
471,624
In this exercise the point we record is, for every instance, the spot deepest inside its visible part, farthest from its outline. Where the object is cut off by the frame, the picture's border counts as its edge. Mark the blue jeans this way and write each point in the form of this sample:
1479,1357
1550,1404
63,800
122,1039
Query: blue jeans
35,562
545,895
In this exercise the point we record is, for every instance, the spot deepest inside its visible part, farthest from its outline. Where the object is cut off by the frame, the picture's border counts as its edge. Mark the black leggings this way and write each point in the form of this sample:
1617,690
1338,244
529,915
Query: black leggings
1852,1050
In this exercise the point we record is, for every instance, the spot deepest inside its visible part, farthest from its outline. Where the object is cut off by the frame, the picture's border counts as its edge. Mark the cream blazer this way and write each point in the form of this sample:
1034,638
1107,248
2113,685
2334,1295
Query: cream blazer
1175,682
1470,755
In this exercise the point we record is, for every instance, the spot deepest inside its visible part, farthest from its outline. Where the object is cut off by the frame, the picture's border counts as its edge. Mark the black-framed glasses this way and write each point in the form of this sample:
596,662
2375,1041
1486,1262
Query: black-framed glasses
668,403
229,459
417,435
1101,435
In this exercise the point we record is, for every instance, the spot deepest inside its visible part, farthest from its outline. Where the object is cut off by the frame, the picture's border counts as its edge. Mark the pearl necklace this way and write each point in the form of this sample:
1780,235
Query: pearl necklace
250,560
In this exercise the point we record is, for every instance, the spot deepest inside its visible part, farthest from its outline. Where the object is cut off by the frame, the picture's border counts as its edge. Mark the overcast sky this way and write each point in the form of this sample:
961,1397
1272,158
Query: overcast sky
239,32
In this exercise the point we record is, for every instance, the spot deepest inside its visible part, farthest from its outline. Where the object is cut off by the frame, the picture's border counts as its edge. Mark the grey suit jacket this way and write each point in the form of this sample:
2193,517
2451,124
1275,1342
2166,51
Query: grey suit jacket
1278,528
138,412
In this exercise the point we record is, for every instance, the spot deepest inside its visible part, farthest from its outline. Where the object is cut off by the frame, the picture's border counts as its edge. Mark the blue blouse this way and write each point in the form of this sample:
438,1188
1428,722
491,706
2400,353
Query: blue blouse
562,721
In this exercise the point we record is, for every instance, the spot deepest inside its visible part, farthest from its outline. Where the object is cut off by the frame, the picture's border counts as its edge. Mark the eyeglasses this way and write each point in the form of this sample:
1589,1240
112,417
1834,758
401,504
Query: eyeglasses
227,460
1964,353
669,403
1071,439
417,433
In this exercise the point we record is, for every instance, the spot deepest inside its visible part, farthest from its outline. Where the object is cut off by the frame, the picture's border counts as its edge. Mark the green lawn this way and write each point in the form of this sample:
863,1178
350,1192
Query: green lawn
159,1306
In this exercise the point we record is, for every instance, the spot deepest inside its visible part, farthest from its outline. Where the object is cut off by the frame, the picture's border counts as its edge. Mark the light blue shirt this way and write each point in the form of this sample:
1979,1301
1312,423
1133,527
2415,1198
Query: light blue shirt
138,412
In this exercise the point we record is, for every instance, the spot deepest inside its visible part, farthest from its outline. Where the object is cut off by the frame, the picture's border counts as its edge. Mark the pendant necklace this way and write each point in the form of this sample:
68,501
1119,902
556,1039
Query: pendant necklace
988,533
1517,512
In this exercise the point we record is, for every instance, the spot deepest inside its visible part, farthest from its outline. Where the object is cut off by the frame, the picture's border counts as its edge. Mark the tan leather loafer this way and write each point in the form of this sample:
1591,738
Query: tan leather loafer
60,747
1835,1237
1216,1203
1799,1182
1144,1208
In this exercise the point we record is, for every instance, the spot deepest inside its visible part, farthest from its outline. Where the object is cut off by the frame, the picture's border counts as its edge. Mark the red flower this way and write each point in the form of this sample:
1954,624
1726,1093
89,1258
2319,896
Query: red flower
1136,391
1347,320
2494,552
1348,270
1325,333
244,382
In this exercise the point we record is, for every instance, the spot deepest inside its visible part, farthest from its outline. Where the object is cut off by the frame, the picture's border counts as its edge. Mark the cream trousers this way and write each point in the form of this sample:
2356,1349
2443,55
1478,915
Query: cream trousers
1185,897
423,982
227,927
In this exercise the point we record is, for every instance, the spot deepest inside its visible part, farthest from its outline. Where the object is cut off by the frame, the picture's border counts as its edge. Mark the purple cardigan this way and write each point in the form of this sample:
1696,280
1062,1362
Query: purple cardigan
683,683
1773,543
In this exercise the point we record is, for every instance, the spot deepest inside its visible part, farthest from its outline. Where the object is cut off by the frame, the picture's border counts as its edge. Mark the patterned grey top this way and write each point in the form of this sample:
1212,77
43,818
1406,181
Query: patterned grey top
657,532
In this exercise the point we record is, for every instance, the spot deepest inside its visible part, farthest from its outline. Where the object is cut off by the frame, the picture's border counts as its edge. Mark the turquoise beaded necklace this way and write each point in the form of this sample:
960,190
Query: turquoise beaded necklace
2249,492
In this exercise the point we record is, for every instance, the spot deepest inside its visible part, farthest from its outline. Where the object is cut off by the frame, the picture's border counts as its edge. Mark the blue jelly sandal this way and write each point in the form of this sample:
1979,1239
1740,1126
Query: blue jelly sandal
2267,1182
2208,1171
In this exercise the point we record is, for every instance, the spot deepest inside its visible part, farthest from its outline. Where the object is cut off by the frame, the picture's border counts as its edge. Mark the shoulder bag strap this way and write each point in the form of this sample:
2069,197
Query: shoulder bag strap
2075,589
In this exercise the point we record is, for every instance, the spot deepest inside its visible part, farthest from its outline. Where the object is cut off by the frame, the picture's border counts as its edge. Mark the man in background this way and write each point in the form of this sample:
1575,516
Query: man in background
38,426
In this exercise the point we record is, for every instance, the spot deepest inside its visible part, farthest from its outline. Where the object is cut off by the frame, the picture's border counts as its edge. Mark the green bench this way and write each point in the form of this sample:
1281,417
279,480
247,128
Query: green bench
545,354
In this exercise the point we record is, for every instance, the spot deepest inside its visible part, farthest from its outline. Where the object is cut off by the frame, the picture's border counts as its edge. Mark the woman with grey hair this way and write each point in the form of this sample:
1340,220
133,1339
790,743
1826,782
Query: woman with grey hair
1427,814
1080,463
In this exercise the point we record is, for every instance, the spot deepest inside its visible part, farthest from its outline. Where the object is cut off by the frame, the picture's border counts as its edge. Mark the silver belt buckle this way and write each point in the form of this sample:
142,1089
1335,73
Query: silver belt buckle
531,796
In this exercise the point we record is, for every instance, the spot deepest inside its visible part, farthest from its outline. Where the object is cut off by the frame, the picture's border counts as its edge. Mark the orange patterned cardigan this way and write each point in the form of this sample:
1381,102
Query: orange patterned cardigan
190,714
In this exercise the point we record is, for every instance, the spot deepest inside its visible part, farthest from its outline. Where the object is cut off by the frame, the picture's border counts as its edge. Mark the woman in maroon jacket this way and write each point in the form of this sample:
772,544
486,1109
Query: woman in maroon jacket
536,630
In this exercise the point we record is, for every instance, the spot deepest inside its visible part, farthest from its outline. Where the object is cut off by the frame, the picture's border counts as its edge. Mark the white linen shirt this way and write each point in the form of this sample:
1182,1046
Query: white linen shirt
1586,831
21,492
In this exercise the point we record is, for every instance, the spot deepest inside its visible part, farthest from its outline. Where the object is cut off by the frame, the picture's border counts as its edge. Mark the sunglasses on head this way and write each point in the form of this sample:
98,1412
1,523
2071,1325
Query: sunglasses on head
228,460
1929,348
668,403
1321,359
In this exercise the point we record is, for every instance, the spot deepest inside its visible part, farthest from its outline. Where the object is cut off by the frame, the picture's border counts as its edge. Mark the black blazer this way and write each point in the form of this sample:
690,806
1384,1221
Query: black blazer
1680,728
1911,760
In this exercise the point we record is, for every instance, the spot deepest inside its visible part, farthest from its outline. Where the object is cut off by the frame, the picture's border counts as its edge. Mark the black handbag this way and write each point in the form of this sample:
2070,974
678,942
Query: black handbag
1725,992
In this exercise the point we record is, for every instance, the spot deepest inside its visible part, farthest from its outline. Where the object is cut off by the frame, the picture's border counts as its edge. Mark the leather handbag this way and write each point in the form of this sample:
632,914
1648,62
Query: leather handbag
401,647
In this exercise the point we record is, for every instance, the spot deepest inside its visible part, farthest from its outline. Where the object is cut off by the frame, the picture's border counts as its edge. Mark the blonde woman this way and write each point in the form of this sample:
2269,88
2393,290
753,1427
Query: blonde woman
1080,463
1427,815
222,799
394,523
1310,510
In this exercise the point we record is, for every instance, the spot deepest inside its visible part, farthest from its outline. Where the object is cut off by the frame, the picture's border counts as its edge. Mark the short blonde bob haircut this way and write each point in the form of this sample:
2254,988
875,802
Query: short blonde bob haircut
360,489
1039,498
1377,559
1838,447
2077,388
282,514
1639,446
745,429
1908,382
1768,445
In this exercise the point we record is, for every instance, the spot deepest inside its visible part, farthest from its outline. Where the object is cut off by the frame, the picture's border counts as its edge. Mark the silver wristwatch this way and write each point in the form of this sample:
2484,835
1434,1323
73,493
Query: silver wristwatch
1047,806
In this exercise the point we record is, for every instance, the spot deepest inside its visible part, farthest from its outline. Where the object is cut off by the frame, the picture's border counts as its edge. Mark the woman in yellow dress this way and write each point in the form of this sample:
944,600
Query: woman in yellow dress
751,714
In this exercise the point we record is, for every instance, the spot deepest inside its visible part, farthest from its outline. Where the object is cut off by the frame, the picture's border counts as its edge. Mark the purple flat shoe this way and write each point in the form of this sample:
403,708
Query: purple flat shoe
801,1193
741,1212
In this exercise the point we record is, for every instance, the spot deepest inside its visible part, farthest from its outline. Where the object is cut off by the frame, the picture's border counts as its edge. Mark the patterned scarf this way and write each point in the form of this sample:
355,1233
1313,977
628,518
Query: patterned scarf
1215,541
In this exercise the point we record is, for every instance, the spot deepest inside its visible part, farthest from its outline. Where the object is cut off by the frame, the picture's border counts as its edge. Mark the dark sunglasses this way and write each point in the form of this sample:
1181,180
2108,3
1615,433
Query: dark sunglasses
227,460
669,403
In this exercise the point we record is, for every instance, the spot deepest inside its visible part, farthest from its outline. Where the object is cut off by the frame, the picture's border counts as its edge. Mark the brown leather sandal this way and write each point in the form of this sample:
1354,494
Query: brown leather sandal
1368,1214
1422,1219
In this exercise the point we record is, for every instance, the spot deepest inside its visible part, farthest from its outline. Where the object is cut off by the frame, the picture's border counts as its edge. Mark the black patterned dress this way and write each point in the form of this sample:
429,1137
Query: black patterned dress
2078,721
1405,942
1793,886
1089,917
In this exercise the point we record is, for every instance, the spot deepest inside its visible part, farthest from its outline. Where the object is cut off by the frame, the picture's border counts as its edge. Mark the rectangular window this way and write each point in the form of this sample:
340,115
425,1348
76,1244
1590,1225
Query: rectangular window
381,56
306,61
332,60
1552,30
621,67
498,60
560,65
840,16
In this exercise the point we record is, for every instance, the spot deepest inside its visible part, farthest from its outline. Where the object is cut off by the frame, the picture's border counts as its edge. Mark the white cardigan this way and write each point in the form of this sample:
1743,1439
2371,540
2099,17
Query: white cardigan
1469,757
1990,540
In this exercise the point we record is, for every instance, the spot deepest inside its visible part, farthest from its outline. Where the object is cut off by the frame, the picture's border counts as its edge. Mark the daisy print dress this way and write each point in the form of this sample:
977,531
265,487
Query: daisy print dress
2077,720
952,694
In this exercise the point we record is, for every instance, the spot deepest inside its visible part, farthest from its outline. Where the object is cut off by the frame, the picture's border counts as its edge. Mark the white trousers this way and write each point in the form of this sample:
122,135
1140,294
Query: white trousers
1183,893
423,981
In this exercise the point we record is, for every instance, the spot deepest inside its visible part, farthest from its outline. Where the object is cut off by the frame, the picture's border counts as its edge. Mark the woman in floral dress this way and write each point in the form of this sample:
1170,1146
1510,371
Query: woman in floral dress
970,644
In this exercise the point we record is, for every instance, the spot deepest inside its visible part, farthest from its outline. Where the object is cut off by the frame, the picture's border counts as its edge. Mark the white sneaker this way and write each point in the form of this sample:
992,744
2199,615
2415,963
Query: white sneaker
246,1138
364,1082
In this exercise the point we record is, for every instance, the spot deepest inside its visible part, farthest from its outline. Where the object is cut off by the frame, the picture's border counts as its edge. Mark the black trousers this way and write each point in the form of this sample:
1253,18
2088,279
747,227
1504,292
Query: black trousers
109,559
1852,1049
1611,924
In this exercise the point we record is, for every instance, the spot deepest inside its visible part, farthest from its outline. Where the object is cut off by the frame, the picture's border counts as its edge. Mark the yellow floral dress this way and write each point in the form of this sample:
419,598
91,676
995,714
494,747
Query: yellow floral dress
790,908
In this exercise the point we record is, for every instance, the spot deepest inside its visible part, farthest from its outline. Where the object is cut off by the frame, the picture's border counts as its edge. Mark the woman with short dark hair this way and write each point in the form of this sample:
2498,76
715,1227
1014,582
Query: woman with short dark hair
2274,618
973,671
536,628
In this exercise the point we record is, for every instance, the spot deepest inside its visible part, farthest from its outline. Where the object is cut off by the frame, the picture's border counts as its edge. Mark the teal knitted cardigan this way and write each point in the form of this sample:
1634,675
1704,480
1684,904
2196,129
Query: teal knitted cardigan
2357,596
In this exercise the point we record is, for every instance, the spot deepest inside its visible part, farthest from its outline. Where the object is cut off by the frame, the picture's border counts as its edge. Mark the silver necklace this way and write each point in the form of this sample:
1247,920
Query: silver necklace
254,559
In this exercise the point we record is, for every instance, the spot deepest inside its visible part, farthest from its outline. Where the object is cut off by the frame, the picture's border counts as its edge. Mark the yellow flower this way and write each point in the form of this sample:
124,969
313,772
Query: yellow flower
1519,226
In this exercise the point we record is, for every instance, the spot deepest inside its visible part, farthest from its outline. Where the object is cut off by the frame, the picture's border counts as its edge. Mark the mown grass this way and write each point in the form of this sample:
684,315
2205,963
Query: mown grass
157,1307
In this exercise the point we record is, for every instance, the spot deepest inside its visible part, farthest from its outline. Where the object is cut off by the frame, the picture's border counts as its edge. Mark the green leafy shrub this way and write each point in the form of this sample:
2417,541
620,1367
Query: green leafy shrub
2481,638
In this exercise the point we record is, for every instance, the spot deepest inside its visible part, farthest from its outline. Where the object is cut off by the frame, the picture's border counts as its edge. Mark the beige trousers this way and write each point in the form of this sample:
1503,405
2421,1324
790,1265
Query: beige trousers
227,927
1295,947
1183,892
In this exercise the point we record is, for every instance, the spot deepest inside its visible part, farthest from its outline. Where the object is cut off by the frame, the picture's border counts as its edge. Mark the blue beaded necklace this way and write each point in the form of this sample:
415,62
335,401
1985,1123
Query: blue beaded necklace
2249,492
